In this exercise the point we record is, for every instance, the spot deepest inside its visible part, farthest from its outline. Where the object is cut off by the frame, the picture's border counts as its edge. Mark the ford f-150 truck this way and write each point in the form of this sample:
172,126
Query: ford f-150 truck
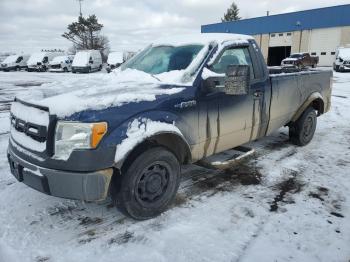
126,134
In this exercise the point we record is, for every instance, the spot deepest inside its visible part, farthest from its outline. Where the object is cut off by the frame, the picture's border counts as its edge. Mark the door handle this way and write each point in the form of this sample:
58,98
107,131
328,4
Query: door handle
258,93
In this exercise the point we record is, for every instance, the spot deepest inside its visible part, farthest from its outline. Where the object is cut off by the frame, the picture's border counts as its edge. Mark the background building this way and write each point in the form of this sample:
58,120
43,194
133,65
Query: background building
317,31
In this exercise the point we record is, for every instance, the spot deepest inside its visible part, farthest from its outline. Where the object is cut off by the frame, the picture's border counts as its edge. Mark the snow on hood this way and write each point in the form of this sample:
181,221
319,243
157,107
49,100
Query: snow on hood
100,91
290,59
115,58
10,59
35,58
59,59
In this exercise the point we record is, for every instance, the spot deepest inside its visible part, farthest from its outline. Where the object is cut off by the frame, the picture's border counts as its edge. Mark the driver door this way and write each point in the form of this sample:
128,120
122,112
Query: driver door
238,116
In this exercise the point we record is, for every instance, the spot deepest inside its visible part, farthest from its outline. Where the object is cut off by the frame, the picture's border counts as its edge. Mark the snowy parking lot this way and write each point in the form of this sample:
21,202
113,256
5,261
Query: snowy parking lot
285,203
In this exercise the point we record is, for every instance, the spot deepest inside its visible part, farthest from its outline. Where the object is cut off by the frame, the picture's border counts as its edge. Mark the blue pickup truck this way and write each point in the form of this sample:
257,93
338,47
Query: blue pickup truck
181,99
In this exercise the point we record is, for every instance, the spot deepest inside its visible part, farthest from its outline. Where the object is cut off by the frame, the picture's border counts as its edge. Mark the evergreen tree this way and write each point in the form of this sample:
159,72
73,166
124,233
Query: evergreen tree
86,34
232,14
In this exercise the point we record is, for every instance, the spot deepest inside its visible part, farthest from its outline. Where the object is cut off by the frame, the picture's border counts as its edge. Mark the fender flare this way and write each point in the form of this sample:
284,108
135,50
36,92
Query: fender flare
316,96
170,137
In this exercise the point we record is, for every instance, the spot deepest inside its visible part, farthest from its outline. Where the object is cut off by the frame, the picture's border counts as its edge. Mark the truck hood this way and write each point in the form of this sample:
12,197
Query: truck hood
100,91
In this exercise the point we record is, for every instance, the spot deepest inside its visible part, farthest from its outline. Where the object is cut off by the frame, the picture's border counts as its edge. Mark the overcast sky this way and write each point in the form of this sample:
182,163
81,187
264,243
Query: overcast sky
30,25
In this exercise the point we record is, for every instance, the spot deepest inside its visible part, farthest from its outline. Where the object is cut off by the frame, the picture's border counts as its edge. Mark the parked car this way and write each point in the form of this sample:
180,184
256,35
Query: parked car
178,101
342,60
300,60
61,64
40,61
87,61
14,62
115,59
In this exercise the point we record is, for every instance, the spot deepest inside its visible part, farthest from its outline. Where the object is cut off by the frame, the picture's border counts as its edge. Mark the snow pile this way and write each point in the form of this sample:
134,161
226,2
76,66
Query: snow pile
35,58
81,58
115,58
138,131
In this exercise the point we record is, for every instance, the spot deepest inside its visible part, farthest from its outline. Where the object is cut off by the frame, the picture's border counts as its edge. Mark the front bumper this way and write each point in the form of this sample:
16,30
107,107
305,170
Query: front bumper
344,67
88,186
85,69
56,70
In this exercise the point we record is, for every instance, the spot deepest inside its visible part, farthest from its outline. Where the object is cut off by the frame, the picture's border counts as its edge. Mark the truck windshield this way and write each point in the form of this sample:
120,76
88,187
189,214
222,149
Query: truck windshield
161,59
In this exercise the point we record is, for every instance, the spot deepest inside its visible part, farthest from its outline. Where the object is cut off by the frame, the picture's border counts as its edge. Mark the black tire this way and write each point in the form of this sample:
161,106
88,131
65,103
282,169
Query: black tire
149,184
100,68
65,69
302,131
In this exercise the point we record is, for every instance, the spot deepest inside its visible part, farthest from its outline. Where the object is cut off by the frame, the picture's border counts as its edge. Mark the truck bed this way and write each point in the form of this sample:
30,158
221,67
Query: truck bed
290,90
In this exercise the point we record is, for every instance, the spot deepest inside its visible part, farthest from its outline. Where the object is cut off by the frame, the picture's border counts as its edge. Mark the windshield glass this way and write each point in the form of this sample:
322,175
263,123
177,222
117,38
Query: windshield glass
36,57
11,59
344,52
81,58
161,59
296,55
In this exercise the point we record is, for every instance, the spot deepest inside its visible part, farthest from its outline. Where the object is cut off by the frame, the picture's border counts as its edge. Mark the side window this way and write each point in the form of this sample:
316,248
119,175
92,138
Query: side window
46,59
233,56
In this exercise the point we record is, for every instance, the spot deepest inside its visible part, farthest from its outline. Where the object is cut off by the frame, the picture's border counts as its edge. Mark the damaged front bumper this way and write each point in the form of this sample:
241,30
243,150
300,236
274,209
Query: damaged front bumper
88,186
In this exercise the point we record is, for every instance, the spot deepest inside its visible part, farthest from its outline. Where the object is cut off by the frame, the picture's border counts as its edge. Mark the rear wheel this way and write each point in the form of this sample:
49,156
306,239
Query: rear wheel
302,131
148,185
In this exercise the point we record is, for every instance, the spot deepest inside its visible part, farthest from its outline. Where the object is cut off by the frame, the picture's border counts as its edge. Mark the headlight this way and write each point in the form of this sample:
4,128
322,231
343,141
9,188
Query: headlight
74,135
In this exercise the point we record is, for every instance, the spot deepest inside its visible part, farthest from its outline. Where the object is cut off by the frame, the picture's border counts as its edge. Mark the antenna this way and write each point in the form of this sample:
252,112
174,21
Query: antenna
80,6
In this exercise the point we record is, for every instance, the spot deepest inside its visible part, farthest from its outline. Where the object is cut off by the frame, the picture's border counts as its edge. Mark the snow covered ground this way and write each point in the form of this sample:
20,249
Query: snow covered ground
285,204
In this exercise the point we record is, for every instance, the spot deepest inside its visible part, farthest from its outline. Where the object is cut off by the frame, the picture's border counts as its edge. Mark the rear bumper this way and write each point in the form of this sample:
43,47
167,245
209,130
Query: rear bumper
88,186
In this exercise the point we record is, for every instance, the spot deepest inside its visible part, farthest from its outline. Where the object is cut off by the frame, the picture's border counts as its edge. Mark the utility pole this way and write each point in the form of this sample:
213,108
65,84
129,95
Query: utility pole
80,6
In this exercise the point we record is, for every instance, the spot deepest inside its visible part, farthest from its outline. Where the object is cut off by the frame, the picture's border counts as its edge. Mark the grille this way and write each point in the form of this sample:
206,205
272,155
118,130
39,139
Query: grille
55,66
36,132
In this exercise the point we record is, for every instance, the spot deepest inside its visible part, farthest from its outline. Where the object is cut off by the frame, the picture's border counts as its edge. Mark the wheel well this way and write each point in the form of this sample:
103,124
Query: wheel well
318,105
172,142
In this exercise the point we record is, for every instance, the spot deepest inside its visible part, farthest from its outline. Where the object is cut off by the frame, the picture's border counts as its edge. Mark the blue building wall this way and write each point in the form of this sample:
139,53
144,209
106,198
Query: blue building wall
335,16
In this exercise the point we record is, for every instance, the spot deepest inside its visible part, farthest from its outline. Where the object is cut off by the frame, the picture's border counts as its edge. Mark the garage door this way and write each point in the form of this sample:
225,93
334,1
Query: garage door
324,42
280,39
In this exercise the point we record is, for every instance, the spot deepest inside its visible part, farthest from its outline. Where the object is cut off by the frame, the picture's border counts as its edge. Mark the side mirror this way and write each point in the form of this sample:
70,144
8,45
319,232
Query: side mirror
237,80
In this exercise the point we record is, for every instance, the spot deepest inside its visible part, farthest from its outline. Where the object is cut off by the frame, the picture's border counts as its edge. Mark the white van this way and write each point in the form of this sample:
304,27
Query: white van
115,59
61,64
40,61
342,59
87,61
14,62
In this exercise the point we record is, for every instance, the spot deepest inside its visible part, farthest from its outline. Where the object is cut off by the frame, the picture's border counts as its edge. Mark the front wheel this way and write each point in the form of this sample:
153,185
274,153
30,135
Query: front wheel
302,131
149,185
